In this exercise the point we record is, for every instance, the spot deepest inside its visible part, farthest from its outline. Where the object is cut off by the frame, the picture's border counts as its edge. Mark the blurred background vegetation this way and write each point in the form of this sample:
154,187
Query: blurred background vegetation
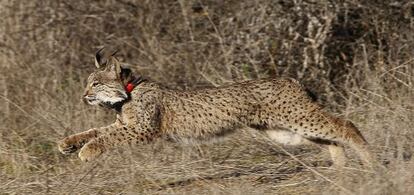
356,55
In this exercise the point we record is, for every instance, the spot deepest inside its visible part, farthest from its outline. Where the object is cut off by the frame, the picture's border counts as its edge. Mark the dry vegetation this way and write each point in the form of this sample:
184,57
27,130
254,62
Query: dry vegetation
357,55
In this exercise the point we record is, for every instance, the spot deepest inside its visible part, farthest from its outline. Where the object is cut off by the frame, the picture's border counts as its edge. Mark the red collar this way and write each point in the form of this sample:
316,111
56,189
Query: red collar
129,87
132,84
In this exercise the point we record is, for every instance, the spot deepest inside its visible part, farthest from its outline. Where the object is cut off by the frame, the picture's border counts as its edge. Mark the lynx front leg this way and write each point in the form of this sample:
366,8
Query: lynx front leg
143,129
118,137
72,143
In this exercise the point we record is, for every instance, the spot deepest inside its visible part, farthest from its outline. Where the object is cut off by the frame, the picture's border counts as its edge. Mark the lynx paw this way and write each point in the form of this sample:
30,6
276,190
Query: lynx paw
69,145
91,151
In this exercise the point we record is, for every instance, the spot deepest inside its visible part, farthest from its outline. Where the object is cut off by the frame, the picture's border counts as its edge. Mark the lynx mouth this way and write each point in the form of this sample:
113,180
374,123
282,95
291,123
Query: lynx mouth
91,100
104,100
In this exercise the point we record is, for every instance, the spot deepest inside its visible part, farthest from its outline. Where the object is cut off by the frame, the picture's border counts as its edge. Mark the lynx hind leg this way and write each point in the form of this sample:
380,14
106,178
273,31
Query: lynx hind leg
337,155
358,143
323,126
290,138
345,132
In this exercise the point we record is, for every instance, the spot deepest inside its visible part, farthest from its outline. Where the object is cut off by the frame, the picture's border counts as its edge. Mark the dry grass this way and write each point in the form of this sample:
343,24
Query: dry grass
356,55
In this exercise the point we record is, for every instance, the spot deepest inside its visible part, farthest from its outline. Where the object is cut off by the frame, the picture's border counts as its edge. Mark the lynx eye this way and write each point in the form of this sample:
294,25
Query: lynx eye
94,84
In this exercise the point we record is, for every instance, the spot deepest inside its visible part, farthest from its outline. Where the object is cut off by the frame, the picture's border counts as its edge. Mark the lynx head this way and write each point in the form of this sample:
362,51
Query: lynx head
107,85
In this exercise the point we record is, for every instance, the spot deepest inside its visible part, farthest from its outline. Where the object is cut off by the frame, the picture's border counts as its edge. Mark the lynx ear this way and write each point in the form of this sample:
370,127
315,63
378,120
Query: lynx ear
103,55
113,65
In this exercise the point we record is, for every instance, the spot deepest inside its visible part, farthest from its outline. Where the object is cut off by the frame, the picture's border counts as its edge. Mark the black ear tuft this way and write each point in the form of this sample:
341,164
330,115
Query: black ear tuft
114,52
98,57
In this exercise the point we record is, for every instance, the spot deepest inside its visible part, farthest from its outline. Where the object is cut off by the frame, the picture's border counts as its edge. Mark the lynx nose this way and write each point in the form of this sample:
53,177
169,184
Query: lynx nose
84,99
85,96
89,99
86,93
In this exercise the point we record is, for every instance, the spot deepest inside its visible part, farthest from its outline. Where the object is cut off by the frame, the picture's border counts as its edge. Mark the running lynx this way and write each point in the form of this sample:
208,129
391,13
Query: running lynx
280,107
